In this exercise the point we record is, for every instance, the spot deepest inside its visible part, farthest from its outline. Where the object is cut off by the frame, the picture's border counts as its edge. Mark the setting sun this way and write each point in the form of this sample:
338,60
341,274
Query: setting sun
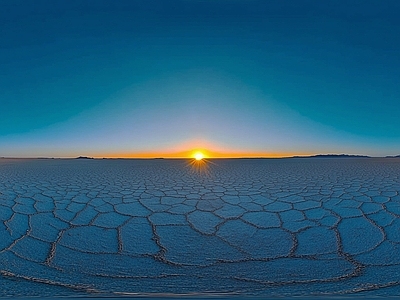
198,156
199,164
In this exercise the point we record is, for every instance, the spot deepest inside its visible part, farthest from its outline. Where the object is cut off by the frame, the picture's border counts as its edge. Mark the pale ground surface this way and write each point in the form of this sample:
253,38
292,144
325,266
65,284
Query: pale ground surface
248,227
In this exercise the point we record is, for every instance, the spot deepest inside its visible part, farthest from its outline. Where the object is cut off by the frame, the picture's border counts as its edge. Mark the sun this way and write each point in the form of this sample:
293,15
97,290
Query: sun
199,162
198,156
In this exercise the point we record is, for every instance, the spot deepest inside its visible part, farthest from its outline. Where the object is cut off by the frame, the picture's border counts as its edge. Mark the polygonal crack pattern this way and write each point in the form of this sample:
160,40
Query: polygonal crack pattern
264,227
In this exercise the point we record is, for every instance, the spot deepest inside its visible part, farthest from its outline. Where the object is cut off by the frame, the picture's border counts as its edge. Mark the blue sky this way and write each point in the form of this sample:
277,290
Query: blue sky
99,78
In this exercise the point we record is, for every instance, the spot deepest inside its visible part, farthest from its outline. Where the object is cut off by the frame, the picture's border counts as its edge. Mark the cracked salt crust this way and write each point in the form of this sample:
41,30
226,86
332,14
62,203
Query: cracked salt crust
264,227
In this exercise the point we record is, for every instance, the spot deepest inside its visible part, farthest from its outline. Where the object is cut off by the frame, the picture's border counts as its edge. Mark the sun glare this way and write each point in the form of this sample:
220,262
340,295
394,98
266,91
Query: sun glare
198,156
199,163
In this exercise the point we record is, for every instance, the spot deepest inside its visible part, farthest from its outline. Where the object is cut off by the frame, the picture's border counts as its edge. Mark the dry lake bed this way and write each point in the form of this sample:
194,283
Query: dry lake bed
232,228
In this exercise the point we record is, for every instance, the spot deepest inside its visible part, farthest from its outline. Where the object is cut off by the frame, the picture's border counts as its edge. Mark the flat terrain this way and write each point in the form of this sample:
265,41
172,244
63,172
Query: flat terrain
233,227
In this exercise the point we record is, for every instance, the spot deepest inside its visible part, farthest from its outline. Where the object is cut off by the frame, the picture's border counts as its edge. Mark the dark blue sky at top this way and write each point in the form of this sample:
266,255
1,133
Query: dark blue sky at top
335,63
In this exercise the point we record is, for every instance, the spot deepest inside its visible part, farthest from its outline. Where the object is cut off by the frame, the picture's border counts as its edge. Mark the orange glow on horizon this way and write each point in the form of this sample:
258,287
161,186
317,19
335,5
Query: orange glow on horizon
203,153
209,150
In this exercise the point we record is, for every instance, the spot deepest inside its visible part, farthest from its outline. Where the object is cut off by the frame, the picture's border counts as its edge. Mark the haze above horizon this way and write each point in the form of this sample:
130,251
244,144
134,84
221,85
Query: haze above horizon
230,78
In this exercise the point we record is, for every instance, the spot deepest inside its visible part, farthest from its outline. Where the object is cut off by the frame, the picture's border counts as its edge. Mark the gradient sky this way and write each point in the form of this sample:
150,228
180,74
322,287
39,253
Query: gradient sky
130,78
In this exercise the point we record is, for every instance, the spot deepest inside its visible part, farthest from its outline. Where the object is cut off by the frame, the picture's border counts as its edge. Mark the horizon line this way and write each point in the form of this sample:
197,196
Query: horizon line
327,155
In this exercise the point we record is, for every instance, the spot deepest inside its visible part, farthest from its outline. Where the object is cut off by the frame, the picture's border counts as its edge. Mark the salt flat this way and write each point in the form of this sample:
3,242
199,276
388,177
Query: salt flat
246,227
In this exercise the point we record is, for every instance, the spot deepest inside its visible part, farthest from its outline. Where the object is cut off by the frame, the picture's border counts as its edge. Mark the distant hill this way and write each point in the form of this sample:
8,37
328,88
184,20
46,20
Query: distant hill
333,156
84,157
397,156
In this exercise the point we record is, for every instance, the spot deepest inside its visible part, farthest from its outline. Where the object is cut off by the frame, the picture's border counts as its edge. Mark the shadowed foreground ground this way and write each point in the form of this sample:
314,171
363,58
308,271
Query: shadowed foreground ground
237,227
